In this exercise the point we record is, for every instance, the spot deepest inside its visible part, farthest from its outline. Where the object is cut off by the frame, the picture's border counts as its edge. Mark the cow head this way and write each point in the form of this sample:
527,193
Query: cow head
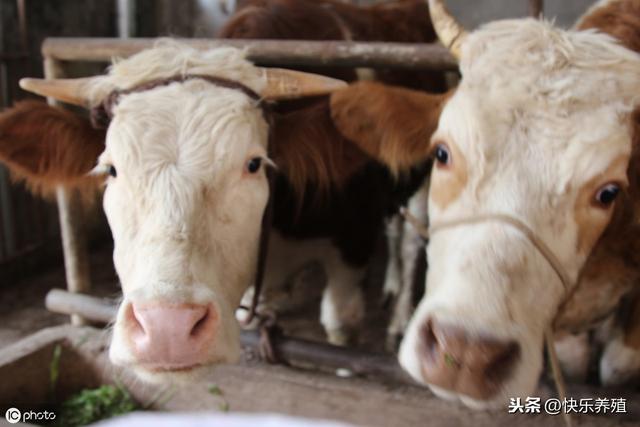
184,164
540,129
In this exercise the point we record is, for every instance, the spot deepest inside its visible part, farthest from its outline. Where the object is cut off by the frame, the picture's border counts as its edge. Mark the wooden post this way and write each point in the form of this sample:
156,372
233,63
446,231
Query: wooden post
72,222
536,8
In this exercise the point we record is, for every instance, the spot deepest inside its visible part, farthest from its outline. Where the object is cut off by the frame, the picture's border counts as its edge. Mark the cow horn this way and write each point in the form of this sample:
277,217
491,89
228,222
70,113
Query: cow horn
72,91
449,31
289,84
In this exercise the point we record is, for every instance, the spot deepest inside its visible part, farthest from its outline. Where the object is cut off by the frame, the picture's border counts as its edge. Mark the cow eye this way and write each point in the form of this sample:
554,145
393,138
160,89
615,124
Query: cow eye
254,164
443,157
112,171
607,195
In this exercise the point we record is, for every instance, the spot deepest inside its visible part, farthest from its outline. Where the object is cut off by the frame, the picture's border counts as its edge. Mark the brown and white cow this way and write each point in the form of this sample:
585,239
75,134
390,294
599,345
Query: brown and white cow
540,130
185,160
405,21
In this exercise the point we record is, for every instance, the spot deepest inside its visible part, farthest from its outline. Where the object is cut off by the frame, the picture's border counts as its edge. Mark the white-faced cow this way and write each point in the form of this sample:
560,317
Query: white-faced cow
187,149
532,168
540,130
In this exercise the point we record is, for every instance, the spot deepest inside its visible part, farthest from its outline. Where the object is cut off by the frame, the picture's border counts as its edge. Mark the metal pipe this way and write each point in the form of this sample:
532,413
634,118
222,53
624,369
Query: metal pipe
270,52
126,10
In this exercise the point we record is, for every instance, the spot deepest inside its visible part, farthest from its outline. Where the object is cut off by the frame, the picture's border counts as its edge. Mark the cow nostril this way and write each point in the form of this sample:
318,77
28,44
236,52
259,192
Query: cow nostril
502,364
133,321
430,341
200,325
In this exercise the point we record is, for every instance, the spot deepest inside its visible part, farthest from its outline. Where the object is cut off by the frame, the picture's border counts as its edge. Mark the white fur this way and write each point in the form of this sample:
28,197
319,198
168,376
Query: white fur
539,113
620,363
573,351
393,274
168,59
342,307
410,247
184,213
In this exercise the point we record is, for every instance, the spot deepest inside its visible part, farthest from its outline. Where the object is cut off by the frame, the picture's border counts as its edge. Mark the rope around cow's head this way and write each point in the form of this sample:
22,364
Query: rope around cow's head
541,247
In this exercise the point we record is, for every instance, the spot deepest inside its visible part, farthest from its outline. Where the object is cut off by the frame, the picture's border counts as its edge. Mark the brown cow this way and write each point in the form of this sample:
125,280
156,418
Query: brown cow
404,21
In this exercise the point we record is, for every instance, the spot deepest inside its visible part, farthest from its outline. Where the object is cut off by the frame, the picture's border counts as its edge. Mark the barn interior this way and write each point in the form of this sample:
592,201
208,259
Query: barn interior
57,249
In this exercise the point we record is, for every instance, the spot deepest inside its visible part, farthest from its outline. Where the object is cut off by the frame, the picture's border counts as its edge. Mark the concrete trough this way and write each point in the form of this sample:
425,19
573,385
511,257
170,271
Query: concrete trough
250,386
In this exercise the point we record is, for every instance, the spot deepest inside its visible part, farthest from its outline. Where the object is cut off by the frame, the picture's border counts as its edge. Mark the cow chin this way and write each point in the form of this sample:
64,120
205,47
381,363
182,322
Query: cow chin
485,374
174,339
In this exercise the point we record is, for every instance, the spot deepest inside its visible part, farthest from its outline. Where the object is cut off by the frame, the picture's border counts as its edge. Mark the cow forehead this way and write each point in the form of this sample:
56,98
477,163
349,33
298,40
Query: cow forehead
168,59
527,64
193,130
552,102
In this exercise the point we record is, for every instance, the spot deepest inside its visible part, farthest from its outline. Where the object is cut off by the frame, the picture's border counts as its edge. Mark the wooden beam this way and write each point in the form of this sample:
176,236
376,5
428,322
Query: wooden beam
269,52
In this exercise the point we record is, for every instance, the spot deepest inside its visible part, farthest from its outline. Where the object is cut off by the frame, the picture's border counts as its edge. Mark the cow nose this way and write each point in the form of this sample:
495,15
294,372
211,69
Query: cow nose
471,365
171,336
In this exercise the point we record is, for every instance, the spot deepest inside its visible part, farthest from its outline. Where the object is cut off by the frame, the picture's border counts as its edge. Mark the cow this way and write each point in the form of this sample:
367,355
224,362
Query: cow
190,142
612,269
390,21
535,175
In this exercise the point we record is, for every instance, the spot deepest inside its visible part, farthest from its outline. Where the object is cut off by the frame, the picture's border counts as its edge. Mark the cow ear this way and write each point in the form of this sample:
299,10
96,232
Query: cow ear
391,124
48,146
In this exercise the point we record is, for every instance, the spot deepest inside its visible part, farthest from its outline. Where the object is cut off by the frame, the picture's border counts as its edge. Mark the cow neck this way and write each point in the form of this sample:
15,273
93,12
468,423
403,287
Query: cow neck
542,248
102,114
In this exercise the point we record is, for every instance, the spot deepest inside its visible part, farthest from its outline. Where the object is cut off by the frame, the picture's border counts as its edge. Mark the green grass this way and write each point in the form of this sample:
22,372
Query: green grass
89,406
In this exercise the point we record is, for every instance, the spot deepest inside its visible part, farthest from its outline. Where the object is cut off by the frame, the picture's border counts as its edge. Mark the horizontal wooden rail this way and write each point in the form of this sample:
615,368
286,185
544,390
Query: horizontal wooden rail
270,52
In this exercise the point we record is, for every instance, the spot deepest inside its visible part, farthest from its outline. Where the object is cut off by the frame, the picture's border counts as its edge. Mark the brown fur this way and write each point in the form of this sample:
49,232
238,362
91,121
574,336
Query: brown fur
394,21
47,146
446,187
592,222
619,18
393,125
613,267
309,150
632,324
